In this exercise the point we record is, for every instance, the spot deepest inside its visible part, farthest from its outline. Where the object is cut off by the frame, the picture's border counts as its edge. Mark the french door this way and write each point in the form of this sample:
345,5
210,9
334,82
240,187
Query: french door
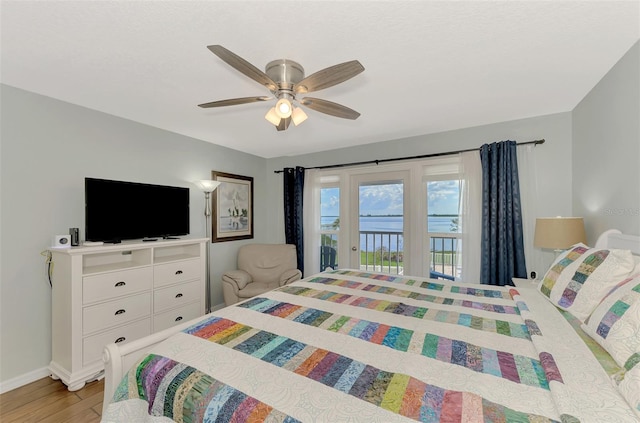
379,216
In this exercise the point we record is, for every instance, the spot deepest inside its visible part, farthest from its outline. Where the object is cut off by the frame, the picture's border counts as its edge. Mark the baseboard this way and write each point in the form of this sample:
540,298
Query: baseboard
25,379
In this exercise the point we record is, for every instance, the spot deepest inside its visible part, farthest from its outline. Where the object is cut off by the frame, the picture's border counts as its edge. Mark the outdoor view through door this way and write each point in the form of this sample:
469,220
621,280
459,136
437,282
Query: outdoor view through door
443,228
381,226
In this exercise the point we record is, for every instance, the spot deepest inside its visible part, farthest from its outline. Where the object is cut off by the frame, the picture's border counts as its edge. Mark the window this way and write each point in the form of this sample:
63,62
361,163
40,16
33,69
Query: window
329,226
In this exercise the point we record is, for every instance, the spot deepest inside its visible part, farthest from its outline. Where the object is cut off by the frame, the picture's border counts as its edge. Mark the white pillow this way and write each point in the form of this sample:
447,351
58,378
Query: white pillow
581,277
629,387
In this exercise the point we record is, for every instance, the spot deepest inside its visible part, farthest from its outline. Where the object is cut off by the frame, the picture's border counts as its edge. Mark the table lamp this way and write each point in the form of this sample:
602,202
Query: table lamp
559,233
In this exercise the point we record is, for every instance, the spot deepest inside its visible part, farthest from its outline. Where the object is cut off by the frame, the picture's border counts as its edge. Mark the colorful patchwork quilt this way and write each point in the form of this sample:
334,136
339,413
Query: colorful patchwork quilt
350,346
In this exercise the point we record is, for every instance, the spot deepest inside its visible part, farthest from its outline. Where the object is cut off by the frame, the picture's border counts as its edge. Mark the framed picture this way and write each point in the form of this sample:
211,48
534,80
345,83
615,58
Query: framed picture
232,207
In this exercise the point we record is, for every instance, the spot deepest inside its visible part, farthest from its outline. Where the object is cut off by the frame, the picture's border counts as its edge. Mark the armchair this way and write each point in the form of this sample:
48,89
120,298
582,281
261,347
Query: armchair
261,268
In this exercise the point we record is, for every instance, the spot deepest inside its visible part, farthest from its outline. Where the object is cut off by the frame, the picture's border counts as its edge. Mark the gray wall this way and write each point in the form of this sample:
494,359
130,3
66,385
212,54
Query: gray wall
47,149
606,150
553,158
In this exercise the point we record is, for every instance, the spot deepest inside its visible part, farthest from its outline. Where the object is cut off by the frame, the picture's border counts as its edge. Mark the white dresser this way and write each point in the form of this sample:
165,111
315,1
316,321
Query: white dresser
118,293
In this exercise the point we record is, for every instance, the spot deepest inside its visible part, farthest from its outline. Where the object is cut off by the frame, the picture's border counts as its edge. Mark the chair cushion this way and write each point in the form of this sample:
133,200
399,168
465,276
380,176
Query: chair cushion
267,262
256,288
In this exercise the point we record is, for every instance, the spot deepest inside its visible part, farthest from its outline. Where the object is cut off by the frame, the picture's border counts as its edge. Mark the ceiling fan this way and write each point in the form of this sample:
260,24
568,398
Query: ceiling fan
285,79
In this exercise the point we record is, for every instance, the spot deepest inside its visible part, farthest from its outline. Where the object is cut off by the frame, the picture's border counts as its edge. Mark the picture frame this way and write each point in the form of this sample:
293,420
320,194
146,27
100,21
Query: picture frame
232,207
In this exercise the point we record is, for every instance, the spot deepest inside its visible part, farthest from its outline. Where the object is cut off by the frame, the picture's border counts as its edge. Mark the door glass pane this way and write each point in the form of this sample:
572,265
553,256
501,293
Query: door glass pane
329,227
443,227
381,226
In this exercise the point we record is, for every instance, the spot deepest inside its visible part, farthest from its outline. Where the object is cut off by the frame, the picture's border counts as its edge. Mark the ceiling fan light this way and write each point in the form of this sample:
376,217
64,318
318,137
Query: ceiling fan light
272,116
283,108
298,116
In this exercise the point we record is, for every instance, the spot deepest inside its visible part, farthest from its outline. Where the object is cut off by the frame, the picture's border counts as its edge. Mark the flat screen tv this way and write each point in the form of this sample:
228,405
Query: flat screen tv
118,210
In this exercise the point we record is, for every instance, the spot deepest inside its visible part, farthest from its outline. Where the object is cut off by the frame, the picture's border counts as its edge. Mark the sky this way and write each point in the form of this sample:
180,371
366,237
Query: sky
442,198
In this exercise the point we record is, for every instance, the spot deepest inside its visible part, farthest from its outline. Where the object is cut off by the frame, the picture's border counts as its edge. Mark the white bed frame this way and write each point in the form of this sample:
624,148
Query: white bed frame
119,358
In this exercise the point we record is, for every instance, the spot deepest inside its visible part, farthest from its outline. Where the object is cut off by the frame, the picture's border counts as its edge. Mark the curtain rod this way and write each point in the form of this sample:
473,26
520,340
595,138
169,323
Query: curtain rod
424,156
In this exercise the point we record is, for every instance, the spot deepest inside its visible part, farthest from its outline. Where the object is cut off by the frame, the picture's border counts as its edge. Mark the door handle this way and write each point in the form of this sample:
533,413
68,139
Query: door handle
354,248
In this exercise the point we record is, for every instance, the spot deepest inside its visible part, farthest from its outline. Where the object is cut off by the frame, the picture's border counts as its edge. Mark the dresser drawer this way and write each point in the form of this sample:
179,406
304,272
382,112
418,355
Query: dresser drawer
116,312
177,295
173,317
116,284
179,271
92,346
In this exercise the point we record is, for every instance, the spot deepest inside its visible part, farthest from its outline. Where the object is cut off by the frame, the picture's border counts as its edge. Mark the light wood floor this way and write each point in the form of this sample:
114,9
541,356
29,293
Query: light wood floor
49,401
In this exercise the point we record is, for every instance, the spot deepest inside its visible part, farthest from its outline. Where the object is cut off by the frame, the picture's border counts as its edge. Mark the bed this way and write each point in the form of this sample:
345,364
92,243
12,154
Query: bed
350,346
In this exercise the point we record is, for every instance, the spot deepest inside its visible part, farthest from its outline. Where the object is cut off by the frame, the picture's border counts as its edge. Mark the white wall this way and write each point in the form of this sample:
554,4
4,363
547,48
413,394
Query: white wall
553,160
606,151
48,148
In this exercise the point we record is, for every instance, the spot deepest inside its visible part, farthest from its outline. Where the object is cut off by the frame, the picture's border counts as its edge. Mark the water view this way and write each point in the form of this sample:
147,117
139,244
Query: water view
394,224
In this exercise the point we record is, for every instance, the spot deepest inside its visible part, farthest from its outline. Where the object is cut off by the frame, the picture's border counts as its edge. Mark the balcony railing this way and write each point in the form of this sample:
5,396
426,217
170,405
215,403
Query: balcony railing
383,252
443,249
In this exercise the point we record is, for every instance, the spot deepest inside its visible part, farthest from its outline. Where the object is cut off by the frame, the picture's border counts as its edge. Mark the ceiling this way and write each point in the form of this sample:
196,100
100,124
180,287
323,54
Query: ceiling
430,66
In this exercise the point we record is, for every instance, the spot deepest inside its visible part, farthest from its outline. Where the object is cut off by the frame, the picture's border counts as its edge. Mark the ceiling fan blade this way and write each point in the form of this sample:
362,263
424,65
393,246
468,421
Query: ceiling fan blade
233,101
284,124
243,66
330,108
329,77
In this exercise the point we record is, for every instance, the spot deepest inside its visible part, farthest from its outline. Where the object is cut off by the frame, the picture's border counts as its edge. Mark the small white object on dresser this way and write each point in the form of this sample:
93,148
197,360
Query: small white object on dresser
119,293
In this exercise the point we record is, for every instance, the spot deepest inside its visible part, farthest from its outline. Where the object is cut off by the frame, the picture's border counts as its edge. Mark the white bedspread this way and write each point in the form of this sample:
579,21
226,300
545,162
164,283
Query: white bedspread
346,346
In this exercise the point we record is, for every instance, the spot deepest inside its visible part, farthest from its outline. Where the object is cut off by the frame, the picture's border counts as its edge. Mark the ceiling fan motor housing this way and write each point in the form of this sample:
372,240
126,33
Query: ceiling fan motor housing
286,73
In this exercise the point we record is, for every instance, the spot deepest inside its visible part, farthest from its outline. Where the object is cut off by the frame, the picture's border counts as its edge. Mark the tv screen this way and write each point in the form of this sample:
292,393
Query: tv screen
118,210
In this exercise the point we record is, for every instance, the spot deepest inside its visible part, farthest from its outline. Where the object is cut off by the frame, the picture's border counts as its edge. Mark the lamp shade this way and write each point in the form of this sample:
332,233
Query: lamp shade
298,116
272,116
207,185
559,233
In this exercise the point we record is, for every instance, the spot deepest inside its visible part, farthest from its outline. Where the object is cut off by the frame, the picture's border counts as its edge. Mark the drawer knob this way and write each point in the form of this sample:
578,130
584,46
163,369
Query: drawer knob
121,339
178,272
178,318
178,295
121,283
121,311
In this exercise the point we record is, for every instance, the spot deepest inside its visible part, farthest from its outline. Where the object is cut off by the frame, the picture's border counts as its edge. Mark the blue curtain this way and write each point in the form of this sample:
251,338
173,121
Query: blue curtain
502,246
293,190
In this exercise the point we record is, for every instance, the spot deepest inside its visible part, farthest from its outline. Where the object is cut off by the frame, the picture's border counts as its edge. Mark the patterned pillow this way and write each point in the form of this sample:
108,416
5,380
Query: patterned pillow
629,387
615,323
564,260
581,277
